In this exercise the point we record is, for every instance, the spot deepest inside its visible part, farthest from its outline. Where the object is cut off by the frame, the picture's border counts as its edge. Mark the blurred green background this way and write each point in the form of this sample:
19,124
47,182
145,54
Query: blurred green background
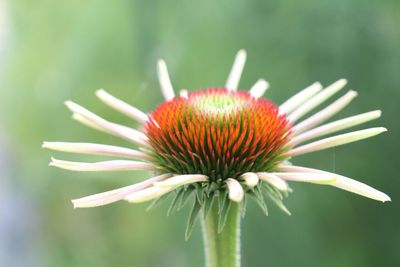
51,51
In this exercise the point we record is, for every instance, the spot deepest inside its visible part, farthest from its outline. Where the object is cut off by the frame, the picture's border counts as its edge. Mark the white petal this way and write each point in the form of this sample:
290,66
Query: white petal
344,183
122,106
92,120
183,93
274,180
235,190
88,123
360,188
299,98
250,178
111,165
165,82
147,194
96,149
292,168
108,197
316,100
259,88
182,180
236,71
336,141
309,177
335,126
324,114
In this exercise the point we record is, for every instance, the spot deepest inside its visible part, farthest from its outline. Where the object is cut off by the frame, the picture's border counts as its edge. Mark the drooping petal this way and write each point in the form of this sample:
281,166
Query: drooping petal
96,149
357,187
336,141
309,177
122,106
274,180
259,88
343,182
108,197
147,194
180,180
92,120
324,114
111,165
316,100
250,178
235,190
335,126
165,82
299,98
236,71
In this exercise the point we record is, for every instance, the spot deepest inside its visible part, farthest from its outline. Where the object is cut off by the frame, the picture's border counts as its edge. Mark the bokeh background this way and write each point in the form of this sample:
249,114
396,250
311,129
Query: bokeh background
51,51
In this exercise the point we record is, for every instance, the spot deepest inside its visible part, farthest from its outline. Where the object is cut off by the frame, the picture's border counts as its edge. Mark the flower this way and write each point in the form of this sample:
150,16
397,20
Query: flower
220,141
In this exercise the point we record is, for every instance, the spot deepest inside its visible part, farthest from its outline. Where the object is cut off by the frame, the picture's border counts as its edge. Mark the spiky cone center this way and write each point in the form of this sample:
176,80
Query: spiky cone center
219,133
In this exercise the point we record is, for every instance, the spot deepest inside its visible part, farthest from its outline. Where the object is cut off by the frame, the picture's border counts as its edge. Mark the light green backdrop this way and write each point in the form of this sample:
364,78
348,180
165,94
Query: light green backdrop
58,50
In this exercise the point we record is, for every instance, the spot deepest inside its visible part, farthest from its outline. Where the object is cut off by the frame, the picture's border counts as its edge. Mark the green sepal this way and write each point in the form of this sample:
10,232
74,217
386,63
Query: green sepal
157,201
175,202
223,215
185,197
276,197
209,200
211,187
192,218
258,197
222,198
199,192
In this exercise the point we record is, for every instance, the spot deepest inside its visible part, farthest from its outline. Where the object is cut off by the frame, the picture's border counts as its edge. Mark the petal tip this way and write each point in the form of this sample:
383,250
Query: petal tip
100,92
53,162
242,52
74,204
386,198
380,130
353,93
317,83
251,179
235,190
317,86
160,63
68,103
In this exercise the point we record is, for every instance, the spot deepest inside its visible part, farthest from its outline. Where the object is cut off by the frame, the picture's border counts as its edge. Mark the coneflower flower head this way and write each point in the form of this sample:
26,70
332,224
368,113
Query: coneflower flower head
220,143
217,133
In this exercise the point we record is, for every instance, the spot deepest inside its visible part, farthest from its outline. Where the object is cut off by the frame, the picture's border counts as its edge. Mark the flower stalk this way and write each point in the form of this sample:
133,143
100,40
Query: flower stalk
222,249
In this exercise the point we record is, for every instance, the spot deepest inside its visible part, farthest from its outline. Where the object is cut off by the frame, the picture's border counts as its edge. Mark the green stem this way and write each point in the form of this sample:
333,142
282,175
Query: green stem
222,250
